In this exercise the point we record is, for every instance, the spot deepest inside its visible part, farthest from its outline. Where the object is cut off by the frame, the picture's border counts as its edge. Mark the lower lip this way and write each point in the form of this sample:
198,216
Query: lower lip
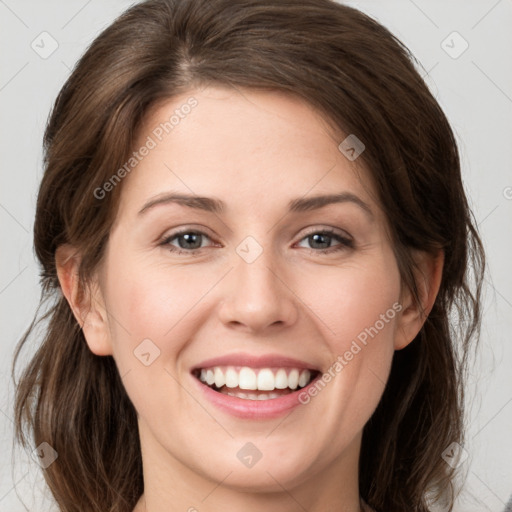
254,409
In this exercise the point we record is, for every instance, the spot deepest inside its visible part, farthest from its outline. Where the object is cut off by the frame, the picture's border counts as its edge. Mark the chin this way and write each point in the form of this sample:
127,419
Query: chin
269,475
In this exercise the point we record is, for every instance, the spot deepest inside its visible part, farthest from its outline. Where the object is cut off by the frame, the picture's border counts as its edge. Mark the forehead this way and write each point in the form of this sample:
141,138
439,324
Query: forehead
251,148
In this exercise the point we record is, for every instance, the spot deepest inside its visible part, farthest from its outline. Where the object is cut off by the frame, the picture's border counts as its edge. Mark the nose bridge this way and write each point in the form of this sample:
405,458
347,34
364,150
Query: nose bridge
257,270
258,298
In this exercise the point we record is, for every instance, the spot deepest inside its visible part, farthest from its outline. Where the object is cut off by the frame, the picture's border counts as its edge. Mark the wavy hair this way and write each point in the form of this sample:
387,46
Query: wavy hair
364,81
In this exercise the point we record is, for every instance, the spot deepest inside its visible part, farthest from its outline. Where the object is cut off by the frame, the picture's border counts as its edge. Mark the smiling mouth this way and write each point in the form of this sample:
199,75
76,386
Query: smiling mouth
255,383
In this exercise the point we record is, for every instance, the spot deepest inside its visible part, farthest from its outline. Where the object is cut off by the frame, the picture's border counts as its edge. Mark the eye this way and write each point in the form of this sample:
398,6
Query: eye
189,241
325,237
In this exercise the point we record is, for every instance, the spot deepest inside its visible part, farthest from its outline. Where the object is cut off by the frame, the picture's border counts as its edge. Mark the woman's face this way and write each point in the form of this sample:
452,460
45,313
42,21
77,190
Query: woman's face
253,291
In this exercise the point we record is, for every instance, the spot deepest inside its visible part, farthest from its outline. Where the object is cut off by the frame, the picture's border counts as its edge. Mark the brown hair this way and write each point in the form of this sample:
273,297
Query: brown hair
364,81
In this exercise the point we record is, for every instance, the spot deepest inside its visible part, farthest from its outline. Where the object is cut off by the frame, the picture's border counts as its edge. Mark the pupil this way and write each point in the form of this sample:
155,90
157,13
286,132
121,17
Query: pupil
315,238
189,238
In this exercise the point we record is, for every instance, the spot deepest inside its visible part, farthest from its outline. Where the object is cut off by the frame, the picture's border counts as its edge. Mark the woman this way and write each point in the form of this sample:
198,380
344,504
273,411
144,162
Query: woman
255,370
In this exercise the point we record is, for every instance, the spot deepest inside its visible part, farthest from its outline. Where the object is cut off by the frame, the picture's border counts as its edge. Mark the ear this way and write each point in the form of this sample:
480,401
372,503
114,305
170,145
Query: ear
86,302
428,280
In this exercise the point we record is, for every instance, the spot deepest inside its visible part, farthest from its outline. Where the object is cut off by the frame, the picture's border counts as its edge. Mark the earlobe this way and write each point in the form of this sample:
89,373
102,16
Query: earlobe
86,302
428,281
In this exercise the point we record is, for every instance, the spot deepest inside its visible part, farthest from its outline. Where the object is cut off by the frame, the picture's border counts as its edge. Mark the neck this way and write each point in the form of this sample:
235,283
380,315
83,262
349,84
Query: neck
170,486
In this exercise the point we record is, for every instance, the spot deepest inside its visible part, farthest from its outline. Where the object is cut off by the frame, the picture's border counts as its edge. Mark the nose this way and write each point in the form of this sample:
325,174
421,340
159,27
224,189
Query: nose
258,296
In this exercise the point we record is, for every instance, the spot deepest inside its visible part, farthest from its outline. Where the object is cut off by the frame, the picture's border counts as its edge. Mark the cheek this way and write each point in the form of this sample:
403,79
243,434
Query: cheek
354,302
150,299
357,309
152,319
151,302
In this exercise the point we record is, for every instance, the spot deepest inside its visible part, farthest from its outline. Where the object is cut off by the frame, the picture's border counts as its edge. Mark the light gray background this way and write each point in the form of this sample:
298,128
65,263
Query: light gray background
475,91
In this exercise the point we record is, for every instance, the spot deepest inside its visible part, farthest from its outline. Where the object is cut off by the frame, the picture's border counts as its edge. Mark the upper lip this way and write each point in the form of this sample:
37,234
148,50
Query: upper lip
252,361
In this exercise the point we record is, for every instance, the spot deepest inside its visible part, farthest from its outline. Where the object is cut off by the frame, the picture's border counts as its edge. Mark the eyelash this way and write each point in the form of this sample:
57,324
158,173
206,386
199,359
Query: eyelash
345,242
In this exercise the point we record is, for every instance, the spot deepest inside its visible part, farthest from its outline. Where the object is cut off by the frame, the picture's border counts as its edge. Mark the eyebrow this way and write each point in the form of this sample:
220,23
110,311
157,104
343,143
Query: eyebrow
217,206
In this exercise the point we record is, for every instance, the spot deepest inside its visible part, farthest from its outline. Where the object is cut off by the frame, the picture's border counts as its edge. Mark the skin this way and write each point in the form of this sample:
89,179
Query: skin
255,151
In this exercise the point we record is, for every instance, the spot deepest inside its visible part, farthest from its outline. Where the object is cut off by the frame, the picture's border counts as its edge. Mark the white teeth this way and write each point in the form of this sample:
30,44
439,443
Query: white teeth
247,379
304,378
254,396
264,379
219,378
281,380
231,378
293,379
